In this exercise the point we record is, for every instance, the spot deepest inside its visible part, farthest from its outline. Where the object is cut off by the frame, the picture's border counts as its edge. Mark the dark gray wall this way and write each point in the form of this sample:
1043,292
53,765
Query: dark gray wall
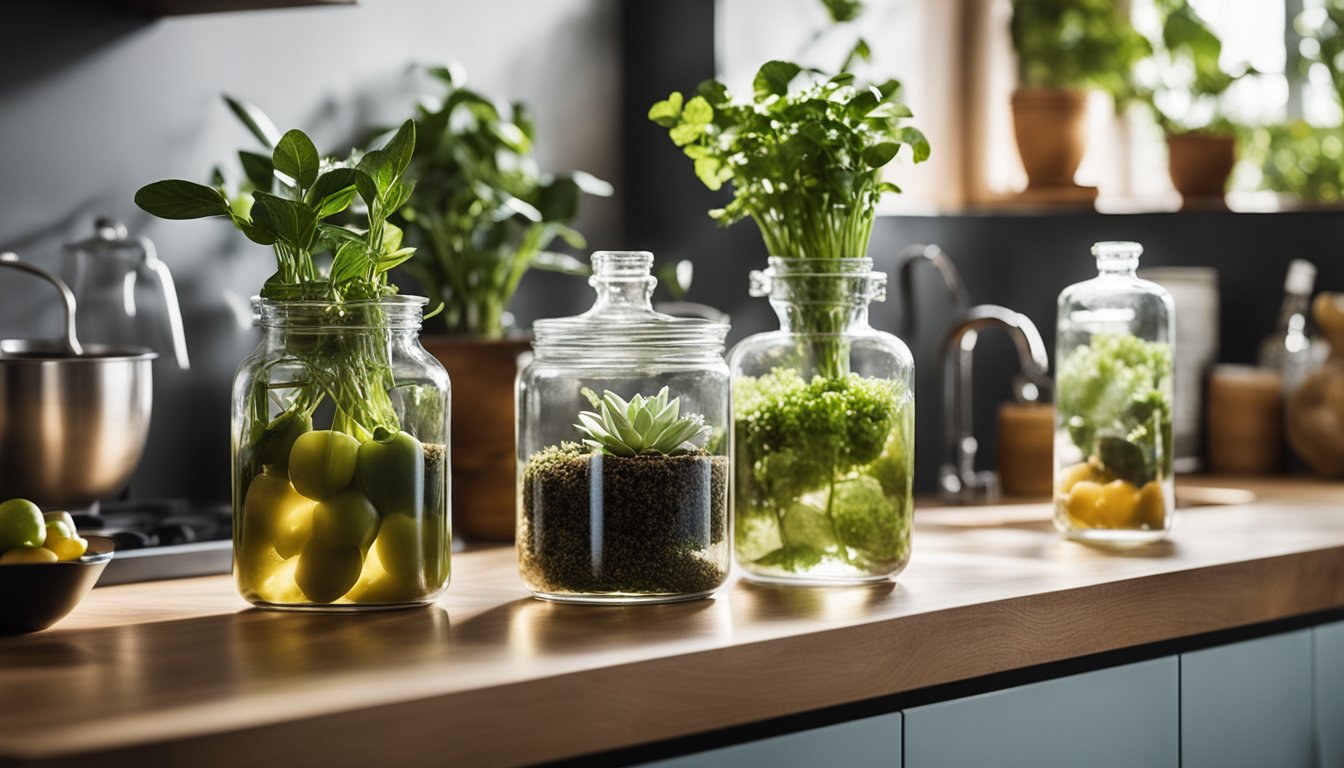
96,101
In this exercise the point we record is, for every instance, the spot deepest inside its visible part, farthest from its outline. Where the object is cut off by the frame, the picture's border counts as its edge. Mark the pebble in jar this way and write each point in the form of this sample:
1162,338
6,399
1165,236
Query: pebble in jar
1113,411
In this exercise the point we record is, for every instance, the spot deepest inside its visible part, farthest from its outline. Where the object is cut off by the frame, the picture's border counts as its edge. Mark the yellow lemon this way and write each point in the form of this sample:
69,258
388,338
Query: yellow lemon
1152,508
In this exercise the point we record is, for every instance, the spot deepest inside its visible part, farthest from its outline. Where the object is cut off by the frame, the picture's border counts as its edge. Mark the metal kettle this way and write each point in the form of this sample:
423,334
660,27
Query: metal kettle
125,293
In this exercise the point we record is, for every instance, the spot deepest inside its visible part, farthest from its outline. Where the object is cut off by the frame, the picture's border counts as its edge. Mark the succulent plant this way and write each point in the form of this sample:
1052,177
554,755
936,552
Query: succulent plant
641,427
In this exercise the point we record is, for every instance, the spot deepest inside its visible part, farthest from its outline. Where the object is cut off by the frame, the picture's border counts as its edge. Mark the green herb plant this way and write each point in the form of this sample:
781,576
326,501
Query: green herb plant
1299,158
804,163
1075,45
1112,400
1191,79
484,213
644,426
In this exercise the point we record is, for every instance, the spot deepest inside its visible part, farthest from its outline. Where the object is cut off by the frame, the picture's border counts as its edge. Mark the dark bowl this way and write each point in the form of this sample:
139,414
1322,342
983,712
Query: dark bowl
33,596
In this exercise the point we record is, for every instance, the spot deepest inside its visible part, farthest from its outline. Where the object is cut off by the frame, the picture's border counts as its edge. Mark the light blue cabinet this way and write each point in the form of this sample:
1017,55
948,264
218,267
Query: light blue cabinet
1328,651
1249,704
1112,718
873,742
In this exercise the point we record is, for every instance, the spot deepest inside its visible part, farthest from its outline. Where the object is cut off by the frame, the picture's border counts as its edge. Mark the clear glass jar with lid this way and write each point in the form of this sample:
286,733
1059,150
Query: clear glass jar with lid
622,449
1113,404
823,435
340,459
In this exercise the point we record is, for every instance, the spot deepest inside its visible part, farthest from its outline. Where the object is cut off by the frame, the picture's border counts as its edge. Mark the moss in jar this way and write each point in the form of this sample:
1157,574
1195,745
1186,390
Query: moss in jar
639,509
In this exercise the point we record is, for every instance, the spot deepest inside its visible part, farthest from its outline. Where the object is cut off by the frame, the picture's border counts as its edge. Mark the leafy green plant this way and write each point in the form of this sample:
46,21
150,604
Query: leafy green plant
1075,44
1112,401
1191,79
484,212
824,464
300,205
1299,158
641,427
804,163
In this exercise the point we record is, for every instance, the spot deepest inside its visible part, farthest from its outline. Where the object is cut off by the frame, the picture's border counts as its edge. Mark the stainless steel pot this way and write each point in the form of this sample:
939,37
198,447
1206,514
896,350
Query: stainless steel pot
73,419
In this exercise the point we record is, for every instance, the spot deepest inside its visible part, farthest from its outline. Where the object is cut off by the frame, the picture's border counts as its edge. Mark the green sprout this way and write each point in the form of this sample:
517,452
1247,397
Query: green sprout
641,427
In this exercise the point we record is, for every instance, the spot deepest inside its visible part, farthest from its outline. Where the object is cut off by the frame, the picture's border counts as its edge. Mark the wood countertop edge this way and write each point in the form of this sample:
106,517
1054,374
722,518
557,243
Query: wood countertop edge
644,701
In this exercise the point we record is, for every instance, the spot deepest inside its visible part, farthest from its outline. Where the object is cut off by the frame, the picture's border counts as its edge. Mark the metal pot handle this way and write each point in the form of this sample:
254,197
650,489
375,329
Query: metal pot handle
71,341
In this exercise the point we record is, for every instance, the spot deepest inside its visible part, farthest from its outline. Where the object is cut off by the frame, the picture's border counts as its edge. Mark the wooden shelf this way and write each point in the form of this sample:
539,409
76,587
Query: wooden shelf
188,7
184,672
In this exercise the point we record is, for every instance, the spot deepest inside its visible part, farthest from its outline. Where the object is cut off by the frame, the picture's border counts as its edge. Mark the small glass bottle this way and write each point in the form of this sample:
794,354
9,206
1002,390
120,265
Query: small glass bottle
622,449
1113,404
340,459
823,436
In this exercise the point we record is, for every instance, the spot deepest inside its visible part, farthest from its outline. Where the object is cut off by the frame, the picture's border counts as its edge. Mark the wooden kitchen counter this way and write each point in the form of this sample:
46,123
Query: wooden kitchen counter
183,672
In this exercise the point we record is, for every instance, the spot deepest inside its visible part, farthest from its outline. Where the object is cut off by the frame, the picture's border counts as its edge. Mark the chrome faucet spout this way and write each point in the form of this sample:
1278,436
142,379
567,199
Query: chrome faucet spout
939,260
958,481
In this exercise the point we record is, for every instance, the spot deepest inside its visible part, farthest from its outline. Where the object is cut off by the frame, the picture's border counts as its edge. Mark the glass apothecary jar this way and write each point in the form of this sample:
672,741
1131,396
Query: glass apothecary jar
340,459
622,449
823,430
1113,404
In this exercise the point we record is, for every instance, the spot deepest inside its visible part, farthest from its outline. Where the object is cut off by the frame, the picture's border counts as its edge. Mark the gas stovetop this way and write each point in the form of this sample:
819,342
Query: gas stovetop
161,538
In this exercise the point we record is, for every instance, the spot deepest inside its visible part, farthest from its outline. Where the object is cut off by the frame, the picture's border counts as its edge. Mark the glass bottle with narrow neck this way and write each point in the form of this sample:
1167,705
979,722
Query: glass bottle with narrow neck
823,415
1113,404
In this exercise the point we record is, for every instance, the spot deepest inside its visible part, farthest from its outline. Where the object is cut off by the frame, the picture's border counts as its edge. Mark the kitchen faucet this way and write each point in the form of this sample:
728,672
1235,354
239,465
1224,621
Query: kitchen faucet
958,481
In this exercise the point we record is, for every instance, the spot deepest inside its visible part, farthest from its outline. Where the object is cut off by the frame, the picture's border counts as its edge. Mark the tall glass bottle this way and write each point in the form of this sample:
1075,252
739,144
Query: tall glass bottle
1113,404
823,430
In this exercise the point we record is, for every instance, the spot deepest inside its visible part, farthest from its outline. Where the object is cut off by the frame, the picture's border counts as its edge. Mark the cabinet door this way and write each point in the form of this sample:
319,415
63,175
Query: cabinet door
1112,718
1329,656
873,742
1248,704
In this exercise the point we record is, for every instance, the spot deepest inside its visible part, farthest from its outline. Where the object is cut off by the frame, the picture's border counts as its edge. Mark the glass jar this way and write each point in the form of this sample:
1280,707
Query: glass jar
622,449
340,459
1113,404
823,430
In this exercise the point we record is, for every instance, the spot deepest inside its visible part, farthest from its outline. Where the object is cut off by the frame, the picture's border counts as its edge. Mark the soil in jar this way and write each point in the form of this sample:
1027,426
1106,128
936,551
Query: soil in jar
660,528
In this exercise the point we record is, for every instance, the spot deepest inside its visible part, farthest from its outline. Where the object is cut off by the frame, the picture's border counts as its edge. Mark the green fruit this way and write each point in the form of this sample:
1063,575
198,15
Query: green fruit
325,573
21,525
399,547
64,542
392,473
322,463
274,513
276,442
345,520
63,517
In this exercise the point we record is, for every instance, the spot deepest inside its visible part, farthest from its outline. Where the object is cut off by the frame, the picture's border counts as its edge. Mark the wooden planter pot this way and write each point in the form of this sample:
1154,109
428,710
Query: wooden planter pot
1051,130
484,456
1200,164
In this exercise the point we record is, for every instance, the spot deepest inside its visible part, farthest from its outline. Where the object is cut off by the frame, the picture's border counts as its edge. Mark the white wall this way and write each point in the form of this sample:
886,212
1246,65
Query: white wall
95,102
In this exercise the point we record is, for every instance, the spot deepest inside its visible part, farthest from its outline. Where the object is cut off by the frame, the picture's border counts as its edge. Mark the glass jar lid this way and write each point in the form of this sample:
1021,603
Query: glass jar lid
623,318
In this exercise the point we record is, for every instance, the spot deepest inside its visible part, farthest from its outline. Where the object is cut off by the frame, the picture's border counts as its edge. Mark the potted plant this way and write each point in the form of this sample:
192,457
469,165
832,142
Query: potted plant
823,409
483,215
1185,100
353,514
1065,48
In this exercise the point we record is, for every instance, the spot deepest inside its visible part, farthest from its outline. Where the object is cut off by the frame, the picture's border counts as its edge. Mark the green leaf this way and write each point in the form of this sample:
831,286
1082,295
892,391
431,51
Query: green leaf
335,203
686,133
296,157
880,154
860,52
553,261
259,170
290,220
400,148
915,138
351,263
392,260
773,78
331,182
256,121
843,10
697,112
254,233
453,74
368,188
396,196
177,199
667,112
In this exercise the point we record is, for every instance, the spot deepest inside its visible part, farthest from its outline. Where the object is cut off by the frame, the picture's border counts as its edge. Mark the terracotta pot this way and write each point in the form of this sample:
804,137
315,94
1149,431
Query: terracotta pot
1051,130
1200,164
484,457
